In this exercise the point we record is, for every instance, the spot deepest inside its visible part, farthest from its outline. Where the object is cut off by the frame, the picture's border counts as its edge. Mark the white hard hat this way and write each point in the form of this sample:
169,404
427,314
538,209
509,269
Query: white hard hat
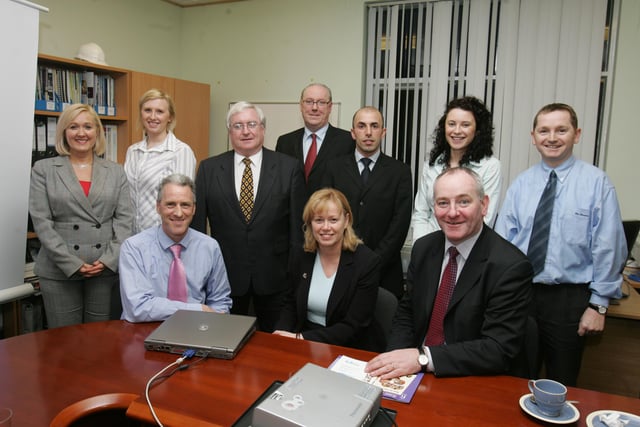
91,52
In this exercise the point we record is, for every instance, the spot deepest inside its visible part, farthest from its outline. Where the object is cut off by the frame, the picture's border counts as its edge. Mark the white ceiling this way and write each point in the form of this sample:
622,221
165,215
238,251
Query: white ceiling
191,3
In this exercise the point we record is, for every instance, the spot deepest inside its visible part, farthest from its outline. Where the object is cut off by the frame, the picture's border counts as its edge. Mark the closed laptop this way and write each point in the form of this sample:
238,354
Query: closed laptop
209,334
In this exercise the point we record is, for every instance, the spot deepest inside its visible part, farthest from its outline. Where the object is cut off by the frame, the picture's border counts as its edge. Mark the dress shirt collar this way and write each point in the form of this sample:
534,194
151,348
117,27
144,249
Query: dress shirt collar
320,134
170,143
464,248
374,158
562,171
256,159
166,241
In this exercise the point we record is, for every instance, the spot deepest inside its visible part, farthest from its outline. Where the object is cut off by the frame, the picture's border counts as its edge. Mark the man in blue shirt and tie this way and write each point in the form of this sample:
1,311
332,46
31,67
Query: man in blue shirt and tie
578,260
146,271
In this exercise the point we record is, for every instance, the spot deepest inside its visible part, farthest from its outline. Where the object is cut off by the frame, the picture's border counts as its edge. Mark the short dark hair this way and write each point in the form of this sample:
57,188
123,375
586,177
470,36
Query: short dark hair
557,106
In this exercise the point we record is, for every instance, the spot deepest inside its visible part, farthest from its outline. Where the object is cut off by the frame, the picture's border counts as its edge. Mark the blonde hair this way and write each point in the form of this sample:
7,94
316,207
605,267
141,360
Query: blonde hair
152,94
318,203
67,117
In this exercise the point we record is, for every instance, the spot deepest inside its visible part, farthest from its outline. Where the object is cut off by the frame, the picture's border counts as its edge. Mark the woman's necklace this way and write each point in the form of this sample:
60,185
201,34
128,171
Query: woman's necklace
82,165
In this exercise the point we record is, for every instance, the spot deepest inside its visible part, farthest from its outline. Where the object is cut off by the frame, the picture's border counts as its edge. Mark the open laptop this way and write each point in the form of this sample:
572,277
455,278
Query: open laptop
318,397
209,334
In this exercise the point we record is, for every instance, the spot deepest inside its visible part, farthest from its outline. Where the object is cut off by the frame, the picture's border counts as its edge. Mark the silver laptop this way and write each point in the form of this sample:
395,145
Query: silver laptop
318,397
209,334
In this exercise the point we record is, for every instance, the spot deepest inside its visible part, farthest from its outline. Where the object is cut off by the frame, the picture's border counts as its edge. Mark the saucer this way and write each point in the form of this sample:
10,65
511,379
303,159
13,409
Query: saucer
593,419
569,413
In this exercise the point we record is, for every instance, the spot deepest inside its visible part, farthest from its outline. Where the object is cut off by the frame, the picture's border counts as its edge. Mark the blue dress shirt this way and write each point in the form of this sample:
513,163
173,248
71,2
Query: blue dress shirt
145,260
587,243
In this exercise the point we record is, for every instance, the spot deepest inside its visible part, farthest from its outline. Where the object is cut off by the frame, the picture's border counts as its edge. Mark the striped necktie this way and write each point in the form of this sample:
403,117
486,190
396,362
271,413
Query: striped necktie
177,287
539,240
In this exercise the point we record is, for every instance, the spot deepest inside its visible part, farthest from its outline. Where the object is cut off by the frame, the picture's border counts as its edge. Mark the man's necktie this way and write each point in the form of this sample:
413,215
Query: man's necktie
177,289
246,190
365,171
539,240
311,157
435,333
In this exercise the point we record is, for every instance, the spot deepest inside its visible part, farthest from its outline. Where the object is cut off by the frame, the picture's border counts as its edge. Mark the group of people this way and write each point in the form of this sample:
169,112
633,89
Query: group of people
304,236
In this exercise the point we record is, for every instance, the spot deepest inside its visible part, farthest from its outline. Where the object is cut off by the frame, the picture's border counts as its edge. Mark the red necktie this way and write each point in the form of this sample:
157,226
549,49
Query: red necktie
311,157
435,333
177,289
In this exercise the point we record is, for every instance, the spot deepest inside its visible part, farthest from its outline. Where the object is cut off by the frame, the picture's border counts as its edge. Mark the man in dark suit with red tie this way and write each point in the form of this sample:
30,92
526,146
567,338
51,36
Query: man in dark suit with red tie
317,143
477,328
252,198
382,205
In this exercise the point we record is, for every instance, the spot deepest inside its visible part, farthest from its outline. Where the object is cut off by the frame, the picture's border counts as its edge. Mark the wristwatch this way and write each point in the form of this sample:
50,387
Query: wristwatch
423,359
601,309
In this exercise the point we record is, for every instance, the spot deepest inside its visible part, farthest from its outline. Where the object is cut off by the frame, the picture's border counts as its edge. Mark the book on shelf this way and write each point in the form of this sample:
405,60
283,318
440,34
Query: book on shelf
40,124
111,138
52,125
400,389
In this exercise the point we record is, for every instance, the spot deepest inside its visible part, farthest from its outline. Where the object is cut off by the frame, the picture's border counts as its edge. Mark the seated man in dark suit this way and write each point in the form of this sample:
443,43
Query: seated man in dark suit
317,137
473,323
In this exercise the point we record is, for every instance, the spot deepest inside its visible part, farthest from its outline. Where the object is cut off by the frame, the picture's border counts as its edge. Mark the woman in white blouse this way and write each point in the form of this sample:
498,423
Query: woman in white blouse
158,155
463,137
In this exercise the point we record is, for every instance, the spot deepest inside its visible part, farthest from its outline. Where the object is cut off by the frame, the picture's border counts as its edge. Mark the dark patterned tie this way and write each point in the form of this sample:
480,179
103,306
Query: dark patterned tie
365,171
311,157
246,190
435,333
539,241
177,287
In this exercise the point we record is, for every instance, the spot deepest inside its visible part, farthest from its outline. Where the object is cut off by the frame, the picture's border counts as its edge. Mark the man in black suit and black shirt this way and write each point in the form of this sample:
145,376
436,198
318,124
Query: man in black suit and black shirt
381,205
330,142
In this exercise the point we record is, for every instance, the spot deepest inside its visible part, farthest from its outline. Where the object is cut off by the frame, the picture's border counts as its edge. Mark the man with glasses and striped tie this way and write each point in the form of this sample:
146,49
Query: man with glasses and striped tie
564,214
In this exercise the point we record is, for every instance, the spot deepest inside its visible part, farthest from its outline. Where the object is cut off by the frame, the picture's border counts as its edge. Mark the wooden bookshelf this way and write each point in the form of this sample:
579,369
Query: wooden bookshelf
192,101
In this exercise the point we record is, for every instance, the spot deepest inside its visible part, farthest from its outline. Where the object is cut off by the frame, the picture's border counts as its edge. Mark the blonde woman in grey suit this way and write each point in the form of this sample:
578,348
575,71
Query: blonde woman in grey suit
81,212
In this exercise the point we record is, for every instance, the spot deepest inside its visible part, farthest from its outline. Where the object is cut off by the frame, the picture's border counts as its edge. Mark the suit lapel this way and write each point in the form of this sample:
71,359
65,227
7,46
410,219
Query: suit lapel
471,272
226,181
98,181
70,181
341,282
267,178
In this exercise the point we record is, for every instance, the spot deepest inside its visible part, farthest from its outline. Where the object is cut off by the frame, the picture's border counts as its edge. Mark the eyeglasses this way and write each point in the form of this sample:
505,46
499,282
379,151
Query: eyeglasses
239,127
310,102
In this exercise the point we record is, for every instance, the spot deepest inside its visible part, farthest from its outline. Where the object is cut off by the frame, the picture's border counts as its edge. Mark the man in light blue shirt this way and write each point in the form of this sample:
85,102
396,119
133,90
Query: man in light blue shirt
586,251
145,261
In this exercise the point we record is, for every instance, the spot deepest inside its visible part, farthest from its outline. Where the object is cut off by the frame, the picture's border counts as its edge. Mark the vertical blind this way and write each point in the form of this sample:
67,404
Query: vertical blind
515,55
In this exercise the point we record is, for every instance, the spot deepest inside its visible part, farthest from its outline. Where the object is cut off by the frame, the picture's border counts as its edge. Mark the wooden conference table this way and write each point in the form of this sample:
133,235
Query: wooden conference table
43,372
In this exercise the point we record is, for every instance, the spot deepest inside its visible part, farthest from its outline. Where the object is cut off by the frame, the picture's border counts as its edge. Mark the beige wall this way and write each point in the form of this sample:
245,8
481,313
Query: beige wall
267,50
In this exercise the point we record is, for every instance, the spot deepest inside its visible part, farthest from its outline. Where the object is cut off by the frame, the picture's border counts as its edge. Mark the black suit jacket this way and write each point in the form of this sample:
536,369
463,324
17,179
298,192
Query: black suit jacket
351,304
381,210
258,252
485,323
336,143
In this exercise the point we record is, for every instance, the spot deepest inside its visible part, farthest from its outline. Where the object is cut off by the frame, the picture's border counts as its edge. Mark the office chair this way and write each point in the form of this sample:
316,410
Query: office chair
631,229
97,411
386,305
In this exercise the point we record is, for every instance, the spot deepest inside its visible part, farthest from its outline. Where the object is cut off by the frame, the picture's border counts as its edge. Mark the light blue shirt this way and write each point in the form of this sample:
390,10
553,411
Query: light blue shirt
145,260
587,242
319,292
307,140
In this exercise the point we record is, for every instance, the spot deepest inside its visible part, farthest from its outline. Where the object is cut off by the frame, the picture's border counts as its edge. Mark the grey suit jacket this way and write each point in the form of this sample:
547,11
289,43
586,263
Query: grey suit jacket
485,322
255,254
74,229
